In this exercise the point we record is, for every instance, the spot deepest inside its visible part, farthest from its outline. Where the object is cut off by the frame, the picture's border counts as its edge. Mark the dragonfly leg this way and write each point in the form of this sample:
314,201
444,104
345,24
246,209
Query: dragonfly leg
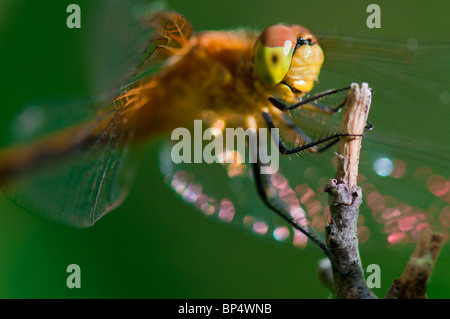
311,145
305,136
262,189
262,186
312,101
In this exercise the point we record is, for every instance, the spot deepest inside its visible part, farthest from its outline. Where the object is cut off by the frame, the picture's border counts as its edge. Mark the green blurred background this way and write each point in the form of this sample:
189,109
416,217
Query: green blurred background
154,245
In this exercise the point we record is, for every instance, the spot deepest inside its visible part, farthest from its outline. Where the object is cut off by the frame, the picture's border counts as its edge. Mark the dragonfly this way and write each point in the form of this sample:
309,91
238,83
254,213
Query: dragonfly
85,153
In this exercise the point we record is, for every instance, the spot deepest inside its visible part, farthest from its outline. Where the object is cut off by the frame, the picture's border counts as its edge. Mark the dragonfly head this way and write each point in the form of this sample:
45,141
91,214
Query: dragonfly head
288,56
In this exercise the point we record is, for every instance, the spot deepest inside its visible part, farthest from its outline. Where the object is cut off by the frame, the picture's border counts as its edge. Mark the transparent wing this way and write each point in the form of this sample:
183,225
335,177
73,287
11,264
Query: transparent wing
227,193
81,157
117,41
172,33
90,178
130,41
409,79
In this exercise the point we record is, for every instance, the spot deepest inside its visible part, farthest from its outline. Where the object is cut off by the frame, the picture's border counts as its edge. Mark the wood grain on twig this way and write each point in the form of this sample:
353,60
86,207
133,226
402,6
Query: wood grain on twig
345,198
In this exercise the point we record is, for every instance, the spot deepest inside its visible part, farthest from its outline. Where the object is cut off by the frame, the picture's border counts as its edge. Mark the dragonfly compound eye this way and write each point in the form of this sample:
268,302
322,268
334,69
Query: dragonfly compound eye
273,53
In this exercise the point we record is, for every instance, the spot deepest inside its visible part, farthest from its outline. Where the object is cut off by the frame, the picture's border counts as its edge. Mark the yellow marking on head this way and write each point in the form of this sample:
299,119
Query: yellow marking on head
273,53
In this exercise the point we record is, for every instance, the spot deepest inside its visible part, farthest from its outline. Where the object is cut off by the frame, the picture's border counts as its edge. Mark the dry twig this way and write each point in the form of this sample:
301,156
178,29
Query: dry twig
345,198
413,282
